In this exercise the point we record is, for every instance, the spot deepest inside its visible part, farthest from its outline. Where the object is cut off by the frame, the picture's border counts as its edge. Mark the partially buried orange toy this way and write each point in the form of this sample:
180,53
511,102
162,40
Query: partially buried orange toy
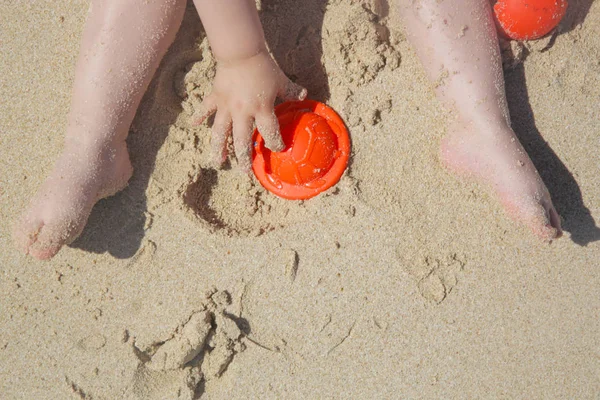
529,19
317,147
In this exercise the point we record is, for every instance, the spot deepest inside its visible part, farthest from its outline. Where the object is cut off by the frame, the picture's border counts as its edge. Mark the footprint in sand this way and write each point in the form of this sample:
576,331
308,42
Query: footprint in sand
436,277
198,351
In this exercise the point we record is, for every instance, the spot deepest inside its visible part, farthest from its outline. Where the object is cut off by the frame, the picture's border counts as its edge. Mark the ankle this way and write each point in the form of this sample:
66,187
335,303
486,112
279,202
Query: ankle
483,129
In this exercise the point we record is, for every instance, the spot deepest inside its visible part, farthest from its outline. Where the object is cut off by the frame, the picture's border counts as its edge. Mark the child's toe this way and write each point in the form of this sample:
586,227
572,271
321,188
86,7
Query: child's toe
545,223
555,220
49,241
25,232
546,232
44,253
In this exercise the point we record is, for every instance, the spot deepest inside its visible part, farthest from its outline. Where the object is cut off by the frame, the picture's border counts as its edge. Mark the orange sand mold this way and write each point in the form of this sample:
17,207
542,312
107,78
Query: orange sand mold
317,148
529,19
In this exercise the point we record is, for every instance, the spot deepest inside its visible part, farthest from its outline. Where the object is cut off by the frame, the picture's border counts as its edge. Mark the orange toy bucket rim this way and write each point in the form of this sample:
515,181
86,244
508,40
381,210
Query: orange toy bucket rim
329,179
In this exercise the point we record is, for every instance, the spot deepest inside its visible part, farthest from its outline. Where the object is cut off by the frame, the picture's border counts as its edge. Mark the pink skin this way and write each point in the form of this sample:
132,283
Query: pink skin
117,59
457,43
238,107
60,209
246,83
499,162
123,43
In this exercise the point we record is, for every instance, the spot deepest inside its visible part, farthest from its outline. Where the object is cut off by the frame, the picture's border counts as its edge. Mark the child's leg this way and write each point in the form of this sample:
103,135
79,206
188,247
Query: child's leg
123,43
456,41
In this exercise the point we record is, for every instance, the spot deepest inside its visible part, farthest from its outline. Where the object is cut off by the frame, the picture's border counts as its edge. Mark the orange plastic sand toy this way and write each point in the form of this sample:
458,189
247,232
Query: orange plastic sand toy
529,19
317,147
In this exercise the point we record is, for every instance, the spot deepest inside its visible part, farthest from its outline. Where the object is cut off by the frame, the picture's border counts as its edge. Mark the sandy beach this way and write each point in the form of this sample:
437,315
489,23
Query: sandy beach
400,282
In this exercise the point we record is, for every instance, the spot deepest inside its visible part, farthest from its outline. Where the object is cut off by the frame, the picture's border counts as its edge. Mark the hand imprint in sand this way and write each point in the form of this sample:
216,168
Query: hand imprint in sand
199,350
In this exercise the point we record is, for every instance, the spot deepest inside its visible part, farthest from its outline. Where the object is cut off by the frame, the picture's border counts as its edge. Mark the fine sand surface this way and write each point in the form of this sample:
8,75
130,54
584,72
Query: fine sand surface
401,282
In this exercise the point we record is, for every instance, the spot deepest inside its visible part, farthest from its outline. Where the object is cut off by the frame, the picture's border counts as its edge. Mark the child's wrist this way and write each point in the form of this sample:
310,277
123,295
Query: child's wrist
241,57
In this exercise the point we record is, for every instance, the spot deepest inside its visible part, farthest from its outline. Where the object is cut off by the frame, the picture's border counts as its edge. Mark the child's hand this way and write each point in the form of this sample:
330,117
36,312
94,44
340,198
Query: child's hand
243,93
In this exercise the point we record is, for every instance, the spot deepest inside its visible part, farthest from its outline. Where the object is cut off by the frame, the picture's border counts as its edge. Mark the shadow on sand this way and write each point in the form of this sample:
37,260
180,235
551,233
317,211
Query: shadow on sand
565,192
294,33
577,10
118,224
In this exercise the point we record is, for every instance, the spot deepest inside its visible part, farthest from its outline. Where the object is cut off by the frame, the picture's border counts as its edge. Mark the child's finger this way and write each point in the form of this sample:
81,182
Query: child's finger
220,132
291,92
242,136
268,126
207,108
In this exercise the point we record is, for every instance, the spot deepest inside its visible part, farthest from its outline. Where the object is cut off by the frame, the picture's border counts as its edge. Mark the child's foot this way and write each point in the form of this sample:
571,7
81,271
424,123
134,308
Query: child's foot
60,209
498,160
